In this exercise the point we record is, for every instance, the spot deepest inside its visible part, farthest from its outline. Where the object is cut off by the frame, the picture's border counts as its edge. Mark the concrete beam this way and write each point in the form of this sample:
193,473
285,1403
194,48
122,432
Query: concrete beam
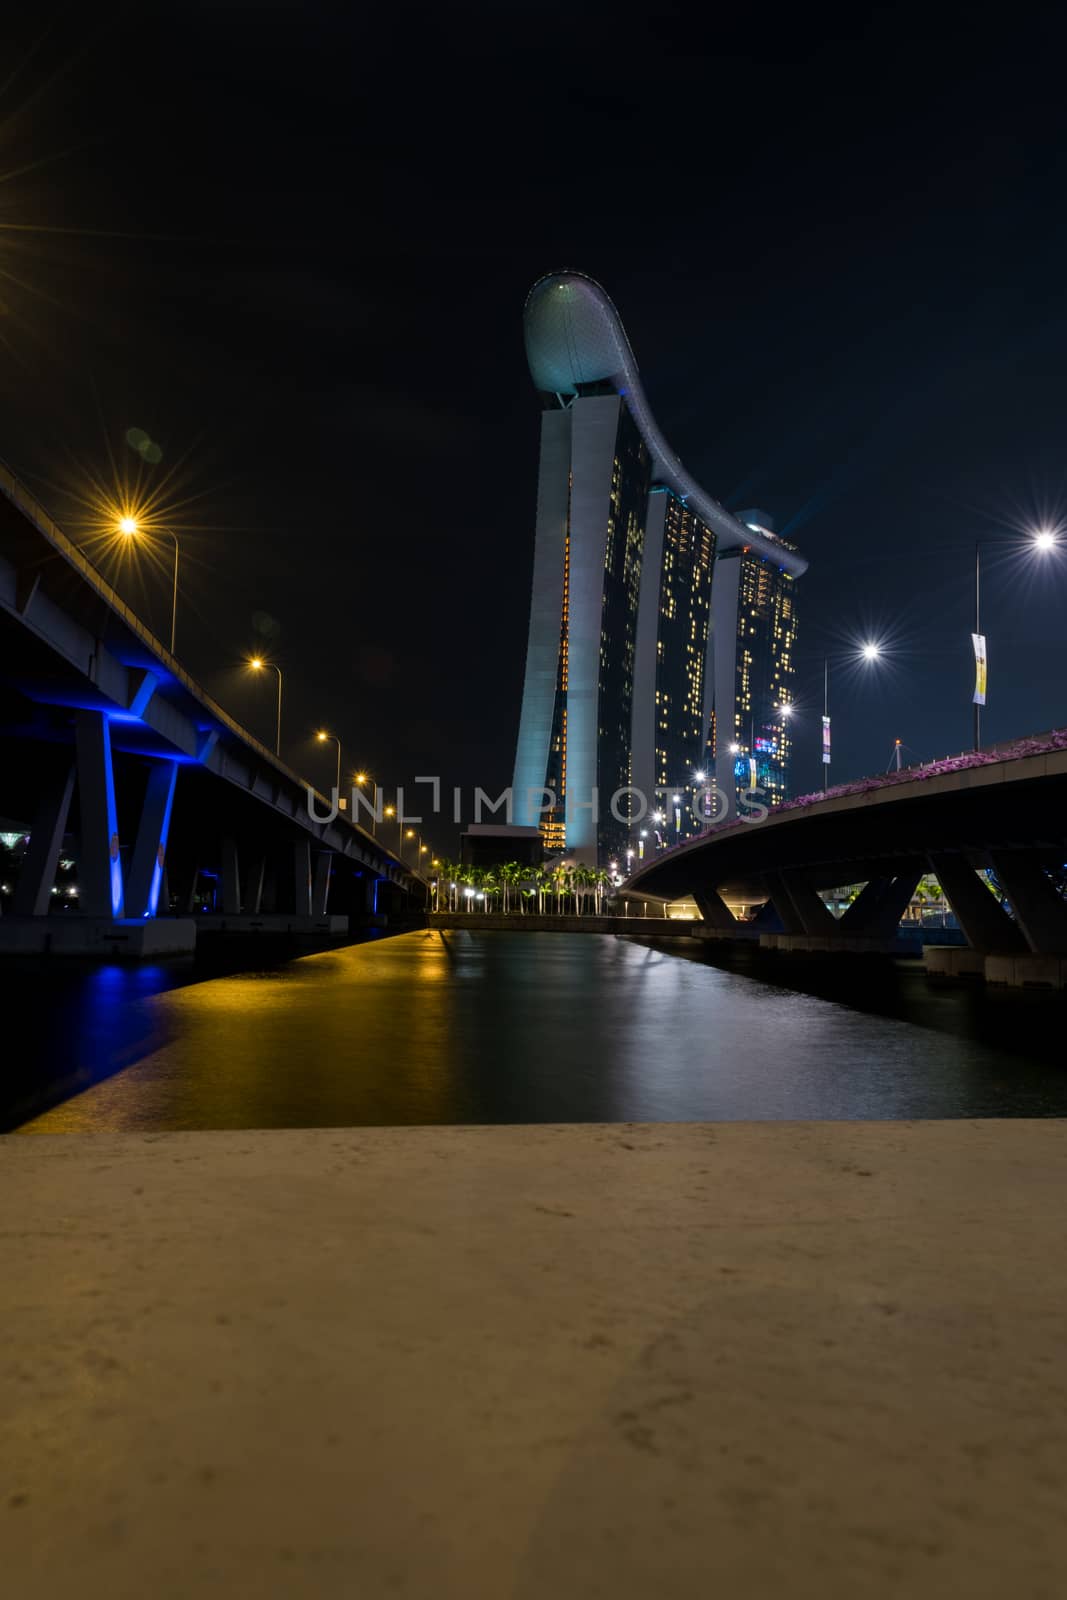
1039,908
33,892
985,923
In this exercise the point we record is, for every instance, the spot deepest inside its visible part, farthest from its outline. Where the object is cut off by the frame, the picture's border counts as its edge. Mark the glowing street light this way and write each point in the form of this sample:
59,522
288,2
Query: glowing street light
868,653
130,528
1043,541
361,780
258,664
331,738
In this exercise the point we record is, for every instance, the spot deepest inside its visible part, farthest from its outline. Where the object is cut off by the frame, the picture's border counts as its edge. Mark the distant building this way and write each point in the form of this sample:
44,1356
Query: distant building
611,624
486,844
671,679
752,668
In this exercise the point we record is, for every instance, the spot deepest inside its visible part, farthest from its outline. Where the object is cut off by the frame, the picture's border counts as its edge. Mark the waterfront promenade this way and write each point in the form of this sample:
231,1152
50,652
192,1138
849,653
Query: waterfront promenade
815,1359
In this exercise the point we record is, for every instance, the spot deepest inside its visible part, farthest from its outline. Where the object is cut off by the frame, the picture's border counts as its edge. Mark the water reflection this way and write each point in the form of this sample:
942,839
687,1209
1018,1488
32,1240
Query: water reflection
489,1028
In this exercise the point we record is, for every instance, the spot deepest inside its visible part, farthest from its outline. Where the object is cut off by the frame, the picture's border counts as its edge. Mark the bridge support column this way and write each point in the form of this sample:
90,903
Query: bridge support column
1040,910
714,910
877,910
986,925
302,877
801,909
253,890
782,901
99,865
231,878
321,889
33,893
150,849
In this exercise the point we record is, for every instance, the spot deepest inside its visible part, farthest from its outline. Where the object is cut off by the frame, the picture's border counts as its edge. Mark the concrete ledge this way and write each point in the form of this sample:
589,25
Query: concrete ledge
953,961
831,944
757,1360
744,933
1027,971
497,922
271,922
74,935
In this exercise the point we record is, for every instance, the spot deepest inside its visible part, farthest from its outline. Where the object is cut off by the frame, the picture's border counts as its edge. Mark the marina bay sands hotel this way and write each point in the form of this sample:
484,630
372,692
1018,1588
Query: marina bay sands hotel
662,627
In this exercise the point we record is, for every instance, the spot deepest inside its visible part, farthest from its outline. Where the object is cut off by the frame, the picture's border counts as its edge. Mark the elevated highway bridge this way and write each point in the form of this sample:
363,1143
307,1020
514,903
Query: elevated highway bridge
1002,809
104,734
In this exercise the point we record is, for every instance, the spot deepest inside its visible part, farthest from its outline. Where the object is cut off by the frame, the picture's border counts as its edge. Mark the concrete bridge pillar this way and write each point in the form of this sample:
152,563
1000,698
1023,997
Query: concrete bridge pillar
986,925
714,910
144,890
99,864
231,878
1039,908
321,888
253,888
33,892
878,908
801,909
302,877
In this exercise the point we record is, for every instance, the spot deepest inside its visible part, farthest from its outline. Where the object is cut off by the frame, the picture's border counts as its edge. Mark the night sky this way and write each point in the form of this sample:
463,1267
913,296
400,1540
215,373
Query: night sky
291,243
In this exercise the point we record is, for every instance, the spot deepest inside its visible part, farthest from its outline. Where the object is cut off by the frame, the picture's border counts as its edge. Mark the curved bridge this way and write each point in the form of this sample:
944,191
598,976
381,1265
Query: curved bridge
1004,809
574,336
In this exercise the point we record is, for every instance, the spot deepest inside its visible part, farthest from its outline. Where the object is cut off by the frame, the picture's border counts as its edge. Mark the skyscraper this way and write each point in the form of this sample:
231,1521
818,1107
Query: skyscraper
752,667
670,689
602,455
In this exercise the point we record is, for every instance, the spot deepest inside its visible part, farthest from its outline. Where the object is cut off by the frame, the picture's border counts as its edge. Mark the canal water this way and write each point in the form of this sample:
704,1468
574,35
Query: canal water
432,1027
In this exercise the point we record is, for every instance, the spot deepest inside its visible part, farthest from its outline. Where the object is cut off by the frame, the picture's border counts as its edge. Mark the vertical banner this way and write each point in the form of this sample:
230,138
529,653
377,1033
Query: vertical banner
751,773
980,668
826,741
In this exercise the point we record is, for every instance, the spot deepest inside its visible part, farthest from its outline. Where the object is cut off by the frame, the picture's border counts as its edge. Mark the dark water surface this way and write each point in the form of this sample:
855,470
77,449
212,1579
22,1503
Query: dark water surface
473,1028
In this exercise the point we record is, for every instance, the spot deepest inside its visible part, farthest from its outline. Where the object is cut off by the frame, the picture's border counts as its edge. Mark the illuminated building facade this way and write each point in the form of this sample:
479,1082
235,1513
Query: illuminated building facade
752,669
591,646
592,500
670,692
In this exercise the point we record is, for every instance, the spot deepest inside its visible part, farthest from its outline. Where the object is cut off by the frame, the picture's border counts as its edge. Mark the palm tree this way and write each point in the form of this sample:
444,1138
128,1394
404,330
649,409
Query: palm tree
488,884
511,875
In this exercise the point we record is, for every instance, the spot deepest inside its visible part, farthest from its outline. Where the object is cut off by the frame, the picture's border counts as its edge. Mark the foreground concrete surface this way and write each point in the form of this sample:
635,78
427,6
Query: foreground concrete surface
751,1360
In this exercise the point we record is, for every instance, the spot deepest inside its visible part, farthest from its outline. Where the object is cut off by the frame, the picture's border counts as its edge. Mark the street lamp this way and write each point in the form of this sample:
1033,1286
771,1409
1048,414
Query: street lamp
130,528
1043,541
331,738
361,779
869,653
258,664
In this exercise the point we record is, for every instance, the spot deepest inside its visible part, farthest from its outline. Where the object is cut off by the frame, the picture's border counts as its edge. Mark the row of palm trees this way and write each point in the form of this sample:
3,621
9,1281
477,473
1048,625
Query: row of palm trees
562,890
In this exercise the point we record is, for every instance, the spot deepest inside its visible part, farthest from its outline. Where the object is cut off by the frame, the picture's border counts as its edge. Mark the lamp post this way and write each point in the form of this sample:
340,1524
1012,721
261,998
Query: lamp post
130,528
1042,540
868,654
363,778
258,664
331,738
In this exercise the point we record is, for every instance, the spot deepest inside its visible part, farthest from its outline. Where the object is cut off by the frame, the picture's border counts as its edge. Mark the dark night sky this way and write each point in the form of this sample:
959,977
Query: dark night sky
299,243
